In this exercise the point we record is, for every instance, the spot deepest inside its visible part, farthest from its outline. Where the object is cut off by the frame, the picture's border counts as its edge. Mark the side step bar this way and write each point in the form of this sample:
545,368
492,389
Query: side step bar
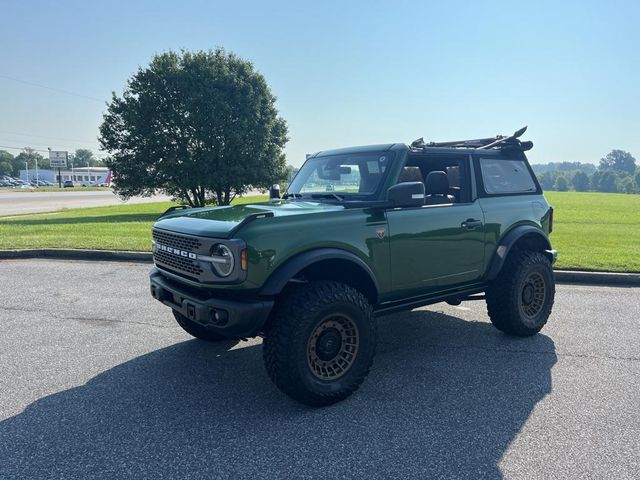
453,295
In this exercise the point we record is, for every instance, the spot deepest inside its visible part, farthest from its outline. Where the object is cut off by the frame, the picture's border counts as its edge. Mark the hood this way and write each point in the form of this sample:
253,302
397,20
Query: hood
224,222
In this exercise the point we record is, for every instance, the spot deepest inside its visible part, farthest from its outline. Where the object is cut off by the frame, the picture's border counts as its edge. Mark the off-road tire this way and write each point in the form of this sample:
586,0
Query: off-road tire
520,299
196,330
292,349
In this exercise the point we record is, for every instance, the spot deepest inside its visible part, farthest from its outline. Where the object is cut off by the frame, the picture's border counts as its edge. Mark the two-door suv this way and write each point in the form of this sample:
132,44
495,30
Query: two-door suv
361,232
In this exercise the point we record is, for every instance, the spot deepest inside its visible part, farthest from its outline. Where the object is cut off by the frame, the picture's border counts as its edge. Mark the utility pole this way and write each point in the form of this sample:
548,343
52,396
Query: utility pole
26,165
37,180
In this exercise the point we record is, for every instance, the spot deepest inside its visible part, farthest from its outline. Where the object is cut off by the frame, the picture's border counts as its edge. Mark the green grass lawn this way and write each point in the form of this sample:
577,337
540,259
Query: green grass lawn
596,231
120,227
593,231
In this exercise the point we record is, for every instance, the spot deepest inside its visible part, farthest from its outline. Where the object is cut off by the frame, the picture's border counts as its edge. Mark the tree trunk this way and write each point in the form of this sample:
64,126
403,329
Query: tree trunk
185,197
201,195
196,198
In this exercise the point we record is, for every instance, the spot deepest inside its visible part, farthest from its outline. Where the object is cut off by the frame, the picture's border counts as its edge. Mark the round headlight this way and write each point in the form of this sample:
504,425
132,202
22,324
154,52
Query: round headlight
222,259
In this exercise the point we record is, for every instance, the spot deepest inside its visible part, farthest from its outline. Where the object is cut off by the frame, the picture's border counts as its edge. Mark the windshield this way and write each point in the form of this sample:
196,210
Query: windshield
338,176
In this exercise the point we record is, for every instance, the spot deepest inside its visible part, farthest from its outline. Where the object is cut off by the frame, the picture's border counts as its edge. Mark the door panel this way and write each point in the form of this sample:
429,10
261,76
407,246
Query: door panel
435,246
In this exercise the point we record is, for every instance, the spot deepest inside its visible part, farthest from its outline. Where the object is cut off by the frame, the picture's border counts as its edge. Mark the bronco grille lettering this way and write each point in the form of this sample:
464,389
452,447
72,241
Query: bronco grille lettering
174,251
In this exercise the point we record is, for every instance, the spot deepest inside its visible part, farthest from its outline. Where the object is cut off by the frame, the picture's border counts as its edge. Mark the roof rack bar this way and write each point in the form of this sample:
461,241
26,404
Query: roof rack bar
477,141
480,143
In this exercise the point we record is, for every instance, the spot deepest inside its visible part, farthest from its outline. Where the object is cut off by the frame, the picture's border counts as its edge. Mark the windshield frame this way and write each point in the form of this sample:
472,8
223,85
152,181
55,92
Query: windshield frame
323,195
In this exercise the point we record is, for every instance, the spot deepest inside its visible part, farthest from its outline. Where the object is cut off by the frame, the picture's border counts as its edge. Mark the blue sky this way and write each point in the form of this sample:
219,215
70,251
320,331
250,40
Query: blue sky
345,73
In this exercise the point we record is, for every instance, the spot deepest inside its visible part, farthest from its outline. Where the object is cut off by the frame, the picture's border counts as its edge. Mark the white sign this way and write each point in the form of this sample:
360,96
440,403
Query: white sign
58,159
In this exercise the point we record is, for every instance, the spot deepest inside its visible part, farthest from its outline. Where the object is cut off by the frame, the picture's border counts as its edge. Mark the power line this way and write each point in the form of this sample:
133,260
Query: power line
59,90
22,148
47,137
97,154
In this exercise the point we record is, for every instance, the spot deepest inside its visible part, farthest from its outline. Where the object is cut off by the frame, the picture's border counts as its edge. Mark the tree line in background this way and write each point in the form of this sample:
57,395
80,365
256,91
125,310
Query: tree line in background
616,173
12,164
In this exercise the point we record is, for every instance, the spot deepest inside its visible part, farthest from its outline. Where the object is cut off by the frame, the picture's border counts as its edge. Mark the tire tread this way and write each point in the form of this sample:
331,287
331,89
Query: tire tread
503,293
298,305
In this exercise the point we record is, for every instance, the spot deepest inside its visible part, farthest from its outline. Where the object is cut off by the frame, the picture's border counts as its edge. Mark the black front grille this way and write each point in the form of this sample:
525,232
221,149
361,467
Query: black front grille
178,263
176,241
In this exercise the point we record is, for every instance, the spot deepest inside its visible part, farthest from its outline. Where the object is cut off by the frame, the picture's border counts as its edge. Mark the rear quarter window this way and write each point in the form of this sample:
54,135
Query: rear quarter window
506,176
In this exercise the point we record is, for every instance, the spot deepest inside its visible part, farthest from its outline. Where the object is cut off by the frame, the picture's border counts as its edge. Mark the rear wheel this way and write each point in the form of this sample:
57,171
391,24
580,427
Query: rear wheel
196,330
519,301
320,344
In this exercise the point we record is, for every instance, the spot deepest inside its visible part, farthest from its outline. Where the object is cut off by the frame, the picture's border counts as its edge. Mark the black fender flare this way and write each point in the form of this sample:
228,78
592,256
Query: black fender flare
508,240
290,268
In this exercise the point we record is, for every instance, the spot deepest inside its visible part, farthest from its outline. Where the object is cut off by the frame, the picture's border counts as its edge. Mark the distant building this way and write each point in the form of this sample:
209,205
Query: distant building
80,175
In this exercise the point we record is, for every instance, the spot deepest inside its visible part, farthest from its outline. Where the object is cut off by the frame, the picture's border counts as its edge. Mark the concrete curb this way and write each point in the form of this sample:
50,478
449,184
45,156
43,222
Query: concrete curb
562,276
598,278
93,255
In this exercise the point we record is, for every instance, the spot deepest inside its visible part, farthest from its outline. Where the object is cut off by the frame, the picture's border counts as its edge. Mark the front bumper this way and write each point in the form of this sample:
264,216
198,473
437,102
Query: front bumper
232,318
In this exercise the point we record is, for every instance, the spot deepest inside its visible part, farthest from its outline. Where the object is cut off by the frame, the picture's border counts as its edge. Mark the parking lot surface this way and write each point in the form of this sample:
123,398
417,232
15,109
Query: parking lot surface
97,381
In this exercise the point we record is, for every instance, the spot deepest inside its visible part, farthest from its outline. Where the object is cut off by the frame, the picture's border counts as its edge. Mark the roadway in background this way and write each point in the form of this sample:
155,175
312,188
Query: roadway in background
18,203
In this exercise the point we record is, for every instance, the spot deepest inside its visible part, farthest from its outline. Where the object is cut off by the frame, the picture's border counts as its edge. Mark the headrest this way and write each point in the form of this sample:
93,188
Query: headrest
437,183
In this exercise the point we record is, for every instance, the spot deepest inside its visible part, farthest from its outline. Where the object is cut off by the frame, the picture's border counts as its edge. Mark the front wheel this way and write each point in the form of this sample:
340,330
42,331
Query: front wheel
321,341
519,301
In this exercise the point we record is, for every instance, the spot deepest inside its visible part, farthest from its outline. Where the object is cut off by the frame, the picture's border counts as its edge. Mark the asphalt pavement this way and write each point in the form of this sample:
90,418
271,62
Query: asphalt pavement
97,381
20,202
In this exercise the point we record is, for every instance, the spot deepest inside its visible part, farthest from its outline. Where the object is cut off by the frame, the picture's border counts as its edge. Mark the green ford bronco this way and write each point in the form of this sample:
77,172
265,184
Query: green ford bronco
361,232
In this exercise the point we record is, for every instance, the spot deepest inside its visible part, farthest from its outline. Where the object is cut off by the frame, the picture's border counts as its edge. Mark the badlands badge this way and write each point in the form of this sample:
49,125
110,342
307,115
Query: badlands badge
380,232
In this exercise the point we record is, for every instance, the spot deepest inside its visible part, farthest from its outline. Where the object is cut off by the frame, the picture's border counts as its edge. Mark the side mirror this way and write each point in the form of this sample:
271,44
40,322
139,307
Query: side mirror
406,194
274,192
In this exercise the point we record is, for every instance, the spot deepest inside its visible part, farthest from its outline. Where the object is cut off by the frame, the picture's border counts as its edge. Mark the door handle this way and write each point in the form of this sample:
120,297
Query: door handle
471,224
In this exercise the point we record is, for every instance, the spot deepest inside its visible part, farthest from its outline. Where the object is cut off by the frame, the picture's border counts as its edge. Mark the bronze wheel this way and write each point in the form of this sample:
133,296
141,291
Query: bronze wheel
332,347
532,296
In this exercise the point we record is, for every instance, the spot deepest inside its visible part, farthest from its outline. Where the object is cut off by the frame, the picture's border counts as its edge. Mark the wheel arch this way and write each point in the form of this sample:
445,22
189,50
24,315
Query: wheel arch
325,264
523,236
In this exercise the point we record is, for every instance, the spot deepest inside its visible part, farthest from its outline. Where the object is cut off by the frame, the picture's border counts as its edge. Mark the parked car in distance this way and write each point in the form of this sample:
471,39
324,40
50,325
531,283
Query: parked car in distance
68,184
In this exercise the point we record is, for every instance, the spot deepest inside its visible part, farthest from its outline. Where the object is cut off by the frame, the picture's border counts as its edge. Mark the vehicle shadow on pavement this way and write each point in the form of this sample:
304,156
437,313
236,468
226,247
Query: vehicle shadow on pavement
445,399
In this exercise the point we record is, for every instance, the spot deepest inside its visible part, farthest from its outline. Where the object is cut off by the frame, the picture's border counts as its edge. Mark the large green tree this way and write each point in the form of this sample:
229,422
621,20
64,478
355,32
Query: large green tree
200,126
620,161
